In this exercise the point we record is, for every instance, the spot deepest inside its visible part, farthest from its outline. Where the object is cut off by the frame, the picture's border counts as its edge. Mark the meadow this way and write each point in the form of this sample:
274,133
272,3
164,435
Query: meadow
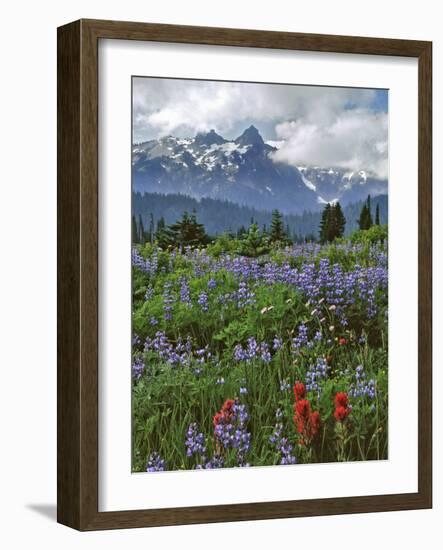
271,359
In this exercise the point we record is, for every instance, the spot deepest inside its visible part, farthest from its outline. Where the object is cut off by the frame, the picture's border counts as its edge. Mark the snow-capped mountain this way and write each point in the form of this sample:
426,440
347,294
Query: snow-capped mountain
332,184
242,171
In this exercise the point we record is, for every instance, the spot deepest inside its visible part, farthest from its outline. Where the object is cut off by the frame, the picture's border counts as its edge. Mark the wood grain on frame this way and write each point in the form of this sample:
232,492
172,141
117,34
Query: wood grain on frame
77,276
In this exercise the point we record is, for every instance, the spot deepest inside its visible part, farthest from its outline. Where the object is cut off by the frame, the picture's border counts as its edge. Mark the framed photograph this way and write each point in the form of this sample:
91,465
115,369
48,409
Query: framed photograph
244,274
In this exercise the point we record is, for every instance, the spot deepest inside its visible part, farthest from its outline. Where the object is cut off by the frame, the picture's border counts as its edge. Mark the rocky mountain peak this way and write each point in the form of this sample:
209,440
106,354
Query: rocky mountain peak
251,136
209,138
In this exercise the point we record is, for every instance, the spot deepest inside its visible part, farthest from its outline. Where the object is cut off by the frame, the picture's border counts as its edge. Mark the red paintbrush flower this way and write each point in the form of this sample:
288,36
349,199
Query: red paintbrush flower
307,422
342,408
314,423
218,418
299,391
303,408
341,399
227,405
342,341
341,413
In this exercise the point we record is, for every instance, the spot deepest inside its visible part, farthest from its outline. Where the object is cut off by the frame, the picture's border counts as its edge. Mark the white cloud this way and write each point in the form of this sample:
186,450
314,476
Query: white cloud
325,126
354,139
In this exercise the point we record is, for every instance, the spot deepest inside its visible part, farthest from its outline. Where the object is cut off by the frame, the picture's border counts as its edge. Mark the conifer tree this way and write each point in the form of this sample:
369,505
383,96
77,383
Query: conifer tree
151,228
161,224
141,230
134,230
332,224
377,214
288,233
338,221
365,220
253,244
241,231
185,232
325,223
160,232
277,232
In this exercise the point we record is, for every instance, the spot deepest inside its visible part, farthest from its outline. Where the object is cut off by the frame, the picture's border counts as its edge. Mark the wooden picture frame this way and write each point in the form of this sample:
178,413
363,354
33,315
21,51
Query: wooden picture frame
77,456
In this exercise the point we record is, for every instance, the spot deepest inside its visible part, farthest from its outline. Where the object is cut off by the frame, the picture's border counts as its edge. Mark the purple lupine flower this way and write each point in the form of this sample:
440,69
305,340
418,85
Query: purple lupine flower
315,374
168,300
178,355
217,461
195,442
231,429
149,293
244,296
281,444
253,350
285,385
203,301
240,354
264,352
203,355
155,463
302,338
138,368
185,295
277,343
212,283
362,387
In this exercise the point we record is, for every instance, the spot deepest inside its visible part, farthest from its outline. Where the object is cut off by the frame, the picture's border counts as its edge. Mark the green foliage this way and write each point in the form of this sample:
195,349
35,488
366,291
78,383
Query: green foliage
253,244
224,243
375,234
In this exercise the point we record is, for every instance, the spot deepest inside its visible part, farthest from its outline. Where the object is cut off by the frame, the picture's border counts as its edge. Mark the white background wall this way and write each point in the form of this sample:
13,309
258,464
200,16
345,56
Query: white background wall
28,271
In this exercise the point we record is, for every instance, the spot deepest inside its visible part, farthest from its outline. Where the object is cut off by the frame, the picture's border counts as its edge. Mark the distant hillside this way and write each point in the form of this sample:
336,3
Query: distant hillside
219,215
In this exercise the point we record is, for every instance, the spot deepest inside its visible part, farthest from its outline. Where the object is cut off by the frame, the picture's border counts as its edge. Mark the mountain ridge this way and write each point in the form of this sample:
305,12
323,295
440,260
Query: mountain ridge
243,171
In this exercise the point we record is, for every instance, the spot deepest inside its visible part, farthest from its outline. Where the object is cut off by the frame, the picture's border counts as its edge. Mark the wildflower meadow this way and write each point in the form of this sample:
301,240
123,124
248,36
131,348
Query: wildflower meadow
250,350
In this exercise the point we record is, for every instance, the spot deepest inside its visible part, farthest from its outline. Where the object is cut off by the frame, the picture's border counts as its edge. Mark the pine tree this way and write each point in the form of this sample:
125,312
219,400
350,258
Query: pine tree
369,210
185,232
288,234
151,228
332,224
141,230
160,232
161,224
134,230
253,244
325,223
277,233
365,220
241,231
338,221
377,215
